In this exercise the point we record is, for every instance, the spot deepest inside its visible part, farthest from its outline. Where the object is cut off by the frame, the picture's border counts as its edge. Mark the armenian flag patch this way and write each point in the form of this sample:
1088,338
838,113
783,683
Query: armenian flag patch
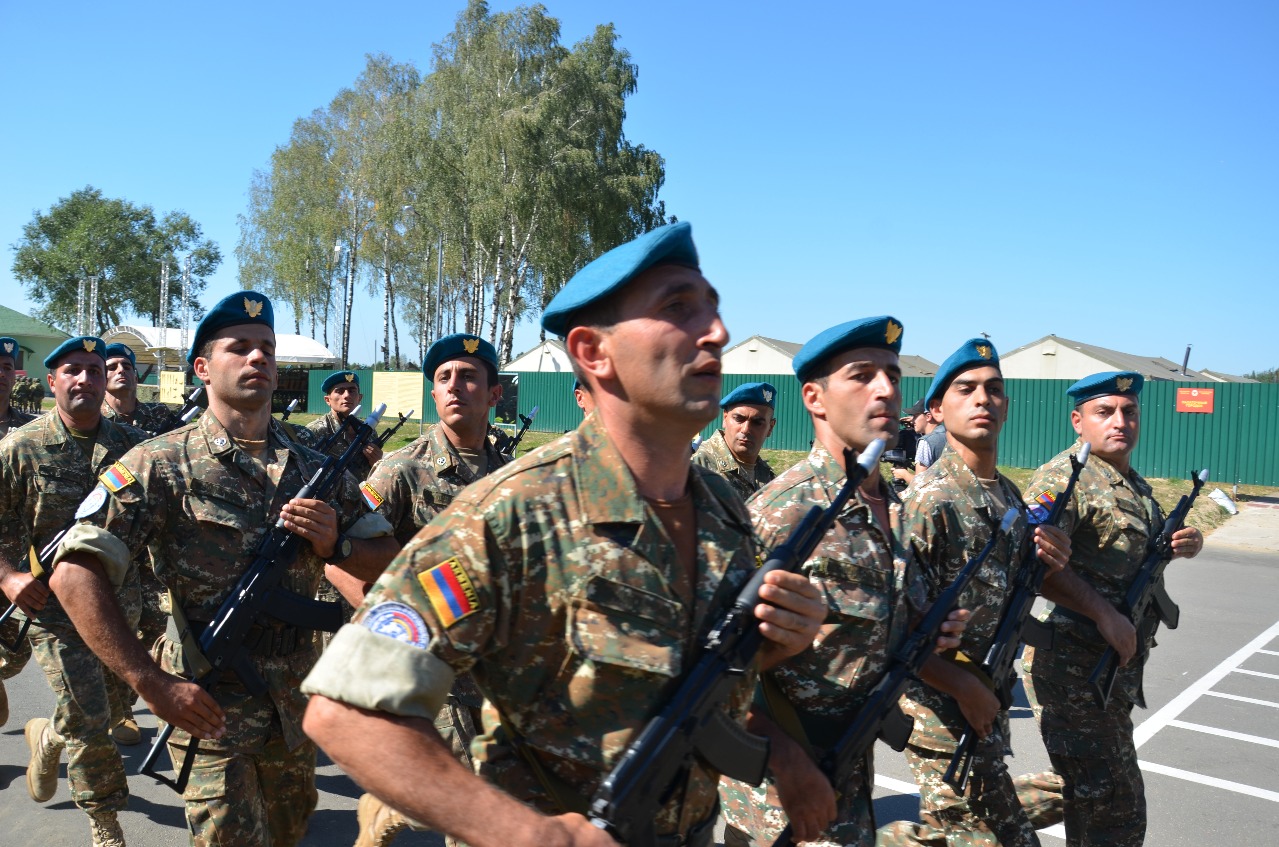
117,477
1046,499
450,591
371,497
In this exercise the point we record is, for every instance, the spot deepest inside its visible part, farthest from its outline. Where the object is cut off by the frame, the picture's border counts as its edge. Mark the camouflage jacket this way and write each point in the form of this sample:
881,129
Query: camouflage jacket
555,584
200,505
415,483
44,476
713,454
14,419
324,427
155,418
872,587
1111,520
949,517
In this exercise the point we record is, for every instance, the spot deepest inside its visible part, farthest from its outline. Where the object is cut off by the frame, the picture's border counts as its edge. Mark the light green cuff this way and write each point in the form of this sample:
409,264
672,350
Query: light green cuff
96,541
376,672
370,525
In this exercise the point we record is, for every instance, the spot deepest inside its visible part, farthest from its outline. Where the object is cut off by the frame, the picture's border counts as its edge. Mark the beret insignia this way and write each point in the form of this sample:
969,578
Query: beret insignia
470,344
253,307
983,350
893,332
768,395
89,344
8,347
350,377
1123,383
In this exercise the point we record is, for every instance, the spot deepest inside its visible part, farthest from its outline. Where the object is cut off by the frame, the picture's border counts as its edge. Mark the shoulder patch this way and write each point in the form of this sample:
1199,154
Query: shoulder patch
400,622
371,498
91,504
116,478
450,591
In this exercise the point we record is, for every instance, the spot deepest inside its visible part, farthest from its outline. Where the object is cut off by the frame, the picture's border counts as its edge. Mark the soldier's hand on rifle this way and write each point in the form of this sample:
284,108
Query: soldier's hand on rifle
978,703
372,453
1119,633
791,618
573,830
313,520
185,705
23,589
1187,542
952,630
1053,547
803,790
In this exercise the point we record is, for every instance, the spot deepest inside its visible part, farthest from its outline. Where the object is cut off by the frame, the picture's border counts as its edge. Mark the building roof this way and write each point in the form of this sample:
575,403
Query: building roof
145,341
1218,376
1151,367
17,324
911,365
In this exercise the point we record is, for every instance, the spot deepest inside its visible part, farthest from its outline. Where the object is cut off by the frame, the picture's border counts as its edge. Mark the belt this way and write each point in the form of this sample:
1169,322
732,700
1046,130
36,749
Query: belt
268,642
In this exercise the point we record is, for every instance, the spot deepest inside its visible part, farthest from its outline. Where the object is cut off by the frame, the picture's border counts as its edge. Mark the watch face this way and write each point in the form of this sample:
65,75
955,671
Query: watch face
344,549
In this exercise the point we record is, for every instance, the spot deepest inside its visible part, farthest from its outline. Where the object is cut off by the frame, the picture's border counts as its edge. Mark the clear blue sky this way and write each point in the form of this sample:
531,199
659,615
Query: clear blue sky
1108,172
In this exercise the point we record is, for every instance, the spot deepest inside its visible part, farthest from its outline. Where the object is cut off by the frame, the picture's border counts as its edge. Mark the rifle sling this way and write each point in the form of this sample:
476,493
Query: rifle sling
961,660
783,712
566,798
197,665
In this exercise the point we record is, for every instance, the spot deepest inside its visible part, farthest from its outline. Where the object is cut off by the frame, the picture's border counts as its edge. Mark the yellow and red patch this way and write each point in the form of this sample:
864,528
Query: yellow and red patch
450,591
117,477
371,498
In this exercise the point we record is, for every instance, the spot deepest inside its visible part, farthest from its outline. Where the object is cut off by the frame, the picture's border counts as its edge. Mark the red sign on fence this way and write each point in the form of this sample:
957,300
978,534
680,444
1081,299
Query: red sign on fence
1195,400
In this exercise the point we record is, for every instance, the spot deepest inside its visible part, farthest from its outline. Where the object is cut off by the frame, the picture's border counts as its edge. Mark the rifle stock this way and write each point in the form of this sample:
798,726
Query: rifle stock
692,722
1146,591
1015,626
258,594
880,716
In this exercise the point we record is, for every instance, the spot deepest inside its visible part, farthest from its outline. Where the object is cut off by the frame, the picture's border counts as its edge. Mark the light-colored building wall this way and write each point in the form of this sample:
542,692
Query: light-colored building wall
547,357
1050,360
756,358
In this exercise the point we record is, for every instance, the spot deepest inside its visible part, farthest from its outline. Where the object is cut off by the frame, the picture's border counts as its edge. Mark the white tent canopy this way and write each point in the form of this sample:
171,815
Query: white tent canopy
145,342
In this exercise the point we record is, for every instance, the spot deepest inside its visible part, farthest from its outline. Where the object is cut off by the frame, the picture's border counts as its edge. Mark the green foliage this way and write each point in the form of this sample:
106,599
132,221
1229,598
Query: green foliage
87,234
1271,375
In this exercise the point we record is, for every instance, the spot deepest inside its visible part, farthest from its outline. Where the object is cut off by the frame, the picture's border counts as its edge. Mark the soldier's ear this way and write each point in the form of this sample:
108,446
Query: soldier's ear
588,347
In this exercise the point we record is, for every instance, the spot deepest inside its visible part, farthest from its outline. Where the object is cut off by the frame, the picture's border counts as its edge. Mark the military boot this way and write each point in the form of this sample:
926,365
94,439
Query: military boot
4,704
379,823
106,830
126,732
46,751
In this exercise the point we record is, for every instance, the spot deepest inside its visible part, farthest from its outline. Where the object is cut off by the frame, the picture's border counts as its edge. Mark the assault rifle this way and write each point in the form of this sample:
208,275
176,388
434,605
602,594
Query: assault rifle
1146,591
506,444
290,409
1016,625
258,596
352,422
189,410
692,722
43,571
881,717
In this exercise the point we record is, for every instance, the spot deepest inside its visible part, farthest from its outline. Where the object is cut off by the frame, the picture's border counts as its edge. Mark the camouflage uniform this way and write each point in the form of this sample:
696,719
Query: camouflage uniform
324,427
1111,520
154,418
872,588
14,419
949,518
44,476
557,587
200,506
714,455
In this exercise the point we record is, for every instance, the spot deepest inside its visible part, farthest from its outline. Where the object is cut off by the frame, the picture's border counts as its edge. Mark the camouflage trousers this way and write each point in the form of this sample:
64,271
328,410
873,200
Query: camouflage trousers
327,592
995,809
1093,750
248,787
83,691
13,661
753,815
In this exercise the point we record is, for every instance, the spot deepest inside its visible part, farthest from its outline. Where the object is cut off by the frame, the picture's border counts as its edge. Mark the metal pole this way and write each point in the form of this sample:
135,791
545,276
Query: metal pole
164,315
79,308
439,286
186,306
92,319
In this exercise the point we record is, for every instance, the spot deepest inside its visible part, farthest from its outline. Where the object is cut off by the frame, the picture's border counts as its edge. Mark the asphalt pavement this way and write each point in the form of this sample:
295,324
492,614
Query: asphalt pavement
1208,743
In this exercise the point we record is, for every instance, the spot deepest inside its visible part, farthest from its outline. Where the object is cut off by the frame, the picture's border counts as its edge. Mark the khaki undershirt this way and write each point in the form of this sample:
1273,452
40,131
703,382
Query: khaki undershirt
679,518
85,440
748,471
996,492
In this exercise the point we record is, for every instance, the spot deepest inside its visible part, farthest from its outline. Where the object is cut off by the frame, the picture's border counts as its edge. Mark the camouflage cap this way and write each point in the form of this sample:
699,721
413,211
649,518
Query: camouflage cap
9,347
883,331
340,378
117,350
457,346
751,394
1106,384
973,353
667,245
242,307
81,343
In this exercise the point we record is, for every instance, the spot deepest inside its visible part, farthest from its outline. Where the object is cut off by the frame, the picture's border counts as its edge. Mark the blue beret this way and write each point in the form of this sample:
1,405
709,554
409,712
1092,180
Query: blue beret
81,343
751,393
667,245
116,350
883,331
973,353
242,307
1106,384
340,378
9,347
456,346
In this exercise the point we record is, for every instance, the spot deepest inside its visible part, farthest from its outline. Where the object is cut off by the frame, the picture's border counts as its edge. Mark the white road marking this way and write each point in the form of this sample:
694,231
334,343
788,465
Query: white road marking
1256,673
1269,652
1237,787
1225,733
1174,707
1252,700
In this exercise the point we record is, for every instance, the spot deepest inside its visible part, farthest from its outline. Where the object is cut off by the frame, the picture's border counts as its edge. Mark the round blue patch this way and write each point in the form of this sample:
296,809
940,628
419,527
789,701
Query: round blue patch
91,504
398,621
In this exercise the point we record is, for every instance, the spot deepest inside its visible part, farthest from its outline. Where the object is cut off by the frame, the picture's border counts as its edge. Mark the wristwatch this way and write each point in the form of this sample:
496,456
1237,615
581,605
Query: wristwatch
341,549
